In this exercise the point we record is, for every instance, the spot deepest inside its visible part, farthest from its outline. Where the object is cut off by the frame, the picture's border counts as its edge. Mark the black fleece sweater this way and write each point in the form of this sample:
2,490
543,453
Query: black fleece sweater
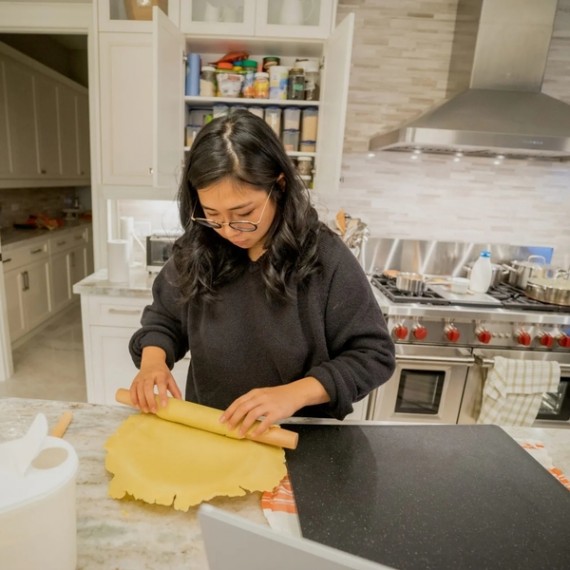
333,330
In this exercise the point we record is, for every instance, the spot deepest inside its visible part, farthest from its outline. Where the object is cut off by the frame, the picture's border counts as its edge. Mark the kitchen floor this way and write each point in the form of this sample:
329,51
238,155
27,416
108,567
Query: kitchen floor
50,366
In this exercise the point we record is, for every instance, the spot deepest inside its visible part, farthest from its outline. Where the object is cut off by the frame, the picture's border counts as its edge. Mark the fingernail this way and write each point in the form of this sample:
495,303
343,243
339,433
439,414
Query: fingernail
222,419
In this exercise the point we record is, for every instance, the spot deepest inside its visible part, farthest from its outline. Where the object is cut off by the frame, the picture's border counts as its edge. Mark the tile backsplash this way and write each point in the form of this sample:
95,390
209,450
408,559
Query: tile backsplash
400,69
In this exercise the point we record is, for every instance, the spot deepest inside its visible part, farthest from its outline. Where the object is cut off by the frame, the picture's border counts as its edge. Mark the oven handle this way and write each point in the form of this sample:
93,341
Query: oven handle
467,360
490,362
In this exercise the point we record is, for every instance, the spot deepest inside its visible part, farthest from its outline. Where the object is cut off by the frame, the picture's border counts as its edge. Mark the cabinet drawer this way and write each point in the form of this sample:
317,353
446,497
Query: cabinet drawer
24,255
67,240
116,312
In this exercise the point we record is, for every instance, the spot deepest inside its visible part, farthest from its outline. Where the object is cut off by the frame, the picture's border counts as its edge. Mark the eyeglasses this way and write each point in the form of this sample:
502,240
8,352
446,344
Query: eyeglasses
240,225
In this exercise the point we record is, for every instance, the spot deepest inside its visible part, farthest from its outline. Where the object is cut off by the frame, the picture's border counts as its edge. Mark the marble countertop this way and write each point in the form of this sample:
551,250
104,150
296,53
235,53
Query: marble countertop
12,237
139,284
130,534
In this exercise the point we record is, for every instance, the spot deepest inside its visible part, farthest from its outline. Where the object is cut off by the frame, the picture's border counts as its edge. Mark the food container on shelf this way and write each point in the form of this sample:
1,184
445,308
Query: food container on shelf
305,165
309,124
273,119
308,146
191,132
269,62
261,85
208,81
229,83
307,180
290,140
291,118
278,75
220,110
296,84
257,111
312,78
37,501
249,69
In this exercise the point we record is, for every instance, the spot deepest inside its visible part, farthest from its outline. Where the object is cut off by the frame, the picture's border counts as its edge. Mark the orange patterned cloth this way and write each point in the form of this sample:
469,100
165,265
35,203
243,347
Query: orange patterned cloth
281,499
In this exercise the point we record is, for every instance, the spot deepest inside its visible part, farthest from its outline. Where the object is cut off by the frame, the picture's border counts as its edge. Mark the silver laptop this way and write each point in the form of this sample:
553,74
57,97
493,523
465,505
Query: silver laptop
235,543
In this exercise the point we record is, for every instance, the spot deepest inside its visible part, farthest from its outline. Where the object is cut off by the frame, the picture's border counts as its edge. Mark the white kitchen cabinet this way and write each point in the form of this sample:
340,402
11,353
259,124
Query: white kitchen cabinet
126,103
259,18
46,107
125,16
40,129
69,263
27,278
19,89
108,324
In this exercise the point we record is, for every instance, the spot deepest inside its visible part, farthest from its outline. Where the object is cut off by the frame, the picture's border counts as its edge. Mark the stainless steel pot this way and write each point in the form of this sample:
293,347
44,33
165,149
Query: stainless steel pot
499,274
521,271
412,282
555,291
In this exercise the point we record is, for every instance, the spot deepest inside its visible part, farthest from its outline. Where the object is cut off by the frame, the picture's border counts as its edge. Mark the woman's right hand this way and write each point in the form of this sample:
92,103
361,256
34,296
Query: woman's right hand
153,372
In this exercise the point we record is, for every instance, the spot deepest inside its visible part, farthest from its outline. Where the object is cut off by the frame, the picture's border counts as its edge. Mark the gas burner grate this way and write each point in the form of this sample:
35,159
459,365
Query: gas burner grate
513,298
387,287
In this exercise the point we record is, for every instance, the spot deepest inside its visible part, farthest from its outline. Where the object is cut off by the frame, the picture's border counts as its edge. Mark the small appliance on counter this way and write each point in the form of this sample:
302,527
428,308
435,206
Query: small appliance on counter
158,249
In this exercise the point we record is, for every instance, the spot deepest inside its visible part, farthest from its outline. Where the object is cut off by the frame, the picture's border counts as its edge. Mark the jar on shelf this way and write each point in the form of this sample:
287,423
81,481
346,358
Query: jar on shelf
261,85
248,90
305,165
220,110
191,132
308,146
208,81
269,62
278,75
273,119
290,140
312,78
309,124
296,84
291,118
257,111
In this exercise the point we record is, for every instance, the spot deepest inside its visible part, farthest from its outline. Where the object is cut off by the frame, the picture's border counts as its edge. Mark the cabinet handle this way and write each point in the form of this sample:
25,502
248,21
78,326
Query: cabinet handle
61,242
39,250
72,256
6,260
43,171
124,311
26,281
151,170
78,237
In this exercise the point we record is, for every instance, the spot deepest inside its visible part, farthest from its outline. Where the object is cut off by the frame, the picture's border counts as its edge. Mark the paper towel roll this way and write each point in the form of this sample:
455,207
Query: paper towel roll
118,260
126,231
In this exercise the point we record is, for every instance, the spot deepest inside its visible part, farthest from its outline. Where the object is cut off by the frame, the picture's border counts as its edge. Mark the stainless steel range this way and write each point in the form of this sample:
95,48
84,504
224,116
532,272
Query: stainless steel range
445,343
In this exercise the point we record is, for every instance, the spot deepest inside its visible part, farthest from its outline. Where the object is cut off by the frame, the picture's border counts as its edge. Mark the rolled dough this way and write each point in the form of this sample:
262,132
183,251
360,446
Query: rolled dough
166,463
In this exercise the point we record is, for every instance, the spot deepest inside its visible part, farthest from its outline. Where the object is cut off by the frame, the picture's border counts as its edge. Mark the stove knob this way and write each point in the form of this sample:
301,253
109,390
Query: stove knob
419,332
452,333
546,340
564,340
524,338
484,336
400,332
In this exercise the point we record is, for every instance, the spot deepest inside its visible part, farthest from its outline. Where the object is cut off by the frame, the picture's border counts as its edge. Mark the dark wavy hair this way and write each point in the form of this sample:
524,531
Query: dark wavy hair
242,147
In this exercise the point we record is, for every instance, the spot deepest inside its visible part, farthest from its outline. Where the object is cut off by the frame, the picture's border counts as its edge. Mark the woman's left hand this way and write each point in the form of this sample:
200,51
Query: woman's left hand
274,404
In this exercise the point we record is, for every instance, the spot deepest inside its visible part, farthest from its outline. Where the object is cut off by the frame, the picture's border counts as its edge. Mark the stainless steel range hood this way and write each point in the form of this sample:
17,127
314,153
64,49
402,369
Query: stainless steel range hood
501,47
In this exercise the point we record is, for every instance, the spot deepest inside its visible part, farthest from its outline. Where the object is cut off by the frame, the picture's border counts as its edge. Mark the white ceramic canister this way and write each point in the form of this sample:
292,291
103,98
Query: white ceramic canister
37,509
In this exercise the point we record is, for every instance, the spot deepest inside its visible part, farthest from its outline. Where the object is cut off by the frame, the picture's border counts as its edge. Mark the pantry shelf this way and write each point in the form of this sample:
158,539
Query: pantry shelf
209,101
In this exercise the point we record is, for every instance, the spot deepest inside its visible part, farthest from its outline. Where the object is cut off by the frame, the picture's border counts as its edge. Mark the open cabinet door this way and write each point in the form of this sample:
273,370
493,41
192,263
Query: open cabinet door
334,97
6,364
168,121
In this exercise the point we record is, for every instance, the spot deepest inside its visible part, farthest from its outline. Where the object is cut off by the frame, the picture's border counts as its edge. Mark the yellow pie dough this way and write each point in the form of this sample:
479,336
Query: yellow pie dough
167,463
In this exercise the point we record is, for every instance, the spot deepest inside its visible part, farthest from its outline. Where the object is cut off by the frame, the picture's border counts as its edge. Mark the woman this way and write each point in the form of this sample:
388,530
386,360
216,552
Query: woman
277,313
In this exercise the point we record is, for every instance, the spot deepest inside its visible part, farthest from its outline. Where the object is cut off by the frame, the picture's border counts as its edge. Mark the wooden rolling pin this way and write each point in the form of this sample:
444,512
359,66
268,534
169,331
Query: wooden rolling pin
206,418
62,424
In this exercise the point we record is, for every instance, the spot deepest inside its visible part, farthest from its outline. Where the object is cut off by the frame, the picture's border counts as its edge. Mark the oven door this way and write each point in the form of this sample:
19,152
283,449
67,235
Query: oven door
555,408
426,387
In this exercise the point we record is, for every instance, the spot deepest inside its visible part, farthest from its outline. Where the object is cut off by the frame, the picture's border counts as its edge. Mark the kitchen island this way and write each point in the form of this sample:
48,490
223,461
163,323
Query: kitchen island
130,534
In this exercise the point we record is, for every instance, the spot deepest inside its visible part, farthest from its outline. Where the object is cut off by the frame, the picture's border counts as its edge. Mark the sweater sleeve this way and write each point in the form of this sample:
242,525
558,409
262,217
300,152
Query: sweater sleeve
361,351
163,322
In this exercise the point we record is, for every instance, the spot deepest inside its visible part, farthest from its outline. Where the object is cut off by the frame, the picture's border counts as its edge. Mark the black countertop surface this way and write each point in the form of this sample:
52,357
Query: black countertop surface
421,497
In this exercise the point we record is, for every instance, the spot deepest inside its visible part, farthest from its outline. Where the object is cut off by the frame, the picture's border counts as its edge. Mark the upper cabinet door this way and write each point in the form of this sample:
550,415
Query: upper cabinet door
5,155
21,119
126,99
334,97
67,131
134,15
295,18
168,120
45,97
207,17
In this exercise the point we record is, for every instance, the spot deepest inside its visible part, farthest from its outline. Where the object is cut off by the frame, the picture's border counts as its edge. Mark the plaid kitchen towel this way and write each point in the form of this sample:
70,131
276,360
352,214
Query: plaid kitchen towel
514,388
